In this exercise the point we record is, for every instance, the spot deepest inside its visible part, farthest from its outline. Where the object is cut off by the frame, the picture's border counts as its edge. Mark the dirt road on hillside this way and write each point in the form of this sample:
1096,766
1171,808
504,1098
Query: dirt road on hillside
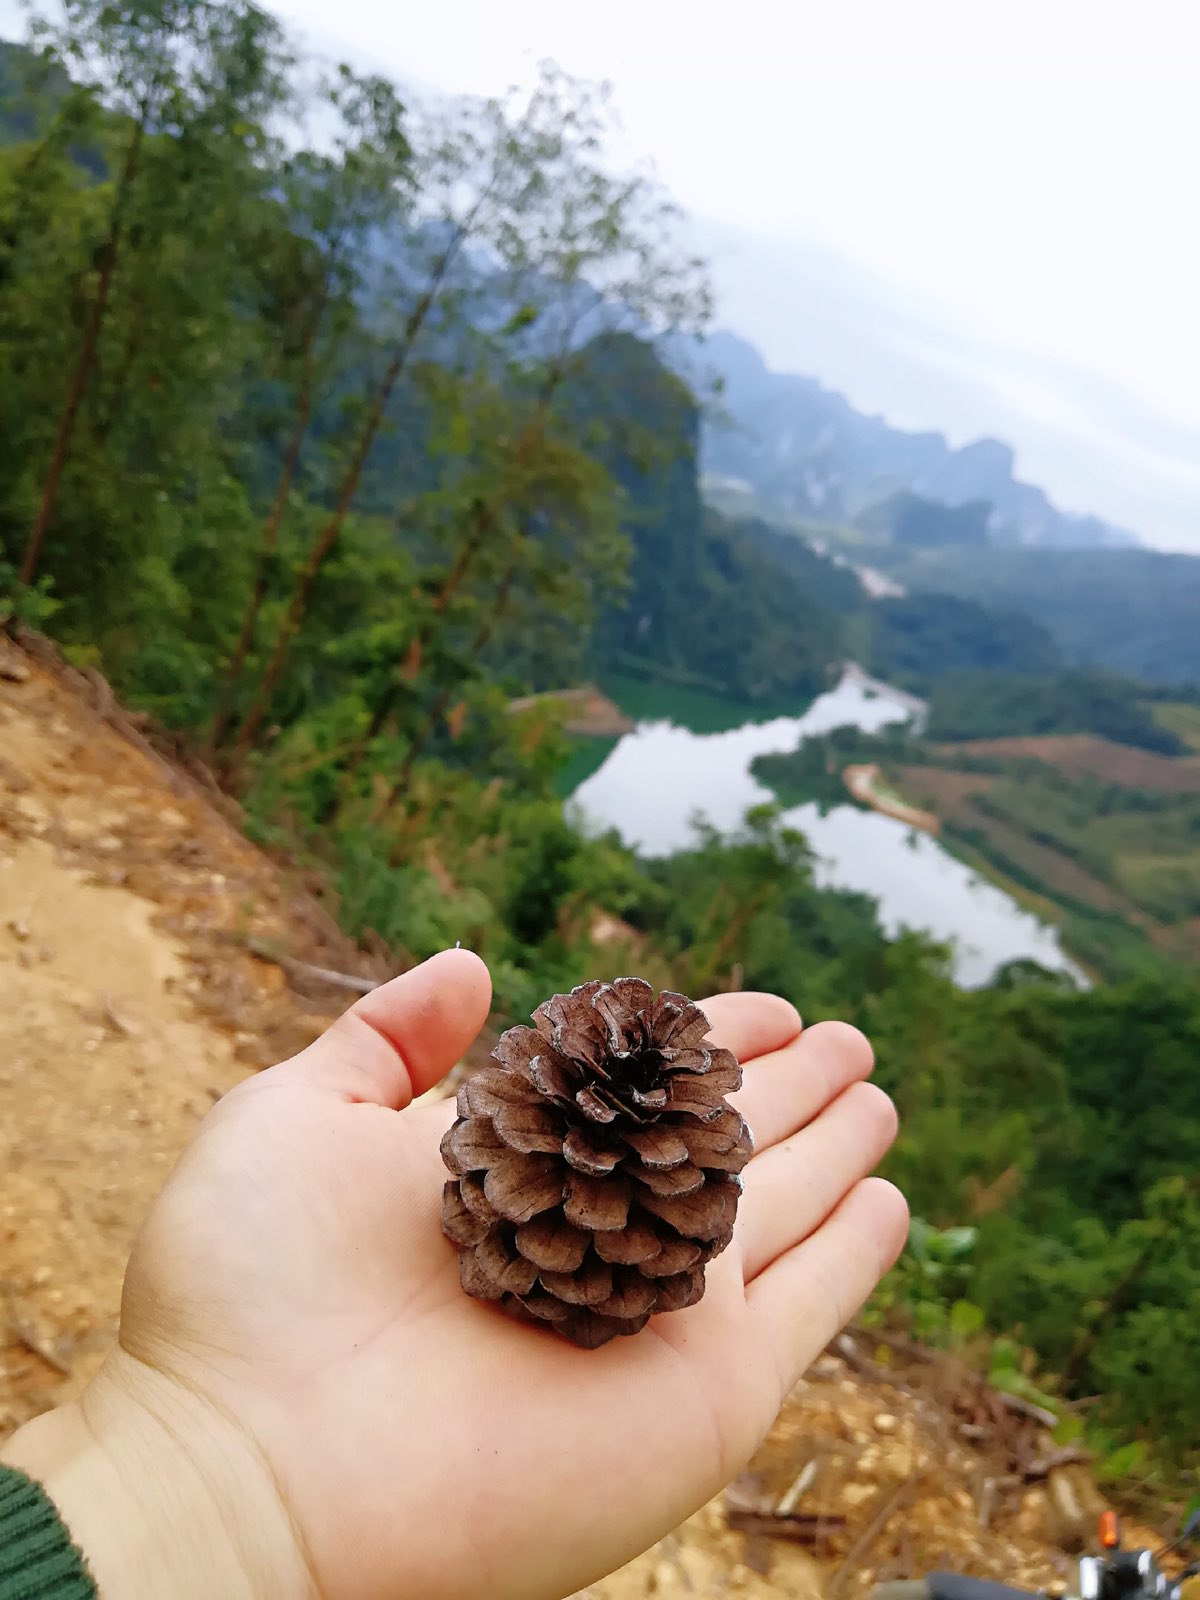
126,1009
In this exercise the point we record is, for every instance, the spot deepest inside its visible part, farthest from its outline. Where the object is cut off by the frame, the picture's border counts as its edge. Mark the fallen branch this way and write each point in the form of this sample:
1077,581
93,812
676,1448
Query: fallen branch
846,1347
305,969
1068,1456
985,1503
801,1484
849,1352
903,1492
1026,1408
801,1527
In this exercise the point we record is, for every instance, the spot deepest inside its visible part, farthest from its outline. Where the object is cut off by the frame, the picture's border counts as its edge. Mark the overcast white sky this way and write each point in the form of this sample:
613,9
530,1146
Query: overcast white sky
1019,175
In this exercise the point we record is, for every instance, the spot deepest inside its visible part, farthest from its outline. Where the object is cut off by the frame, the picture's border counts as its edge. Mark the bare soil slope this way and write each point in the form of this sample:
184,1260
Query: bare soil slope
128,1004
1086,755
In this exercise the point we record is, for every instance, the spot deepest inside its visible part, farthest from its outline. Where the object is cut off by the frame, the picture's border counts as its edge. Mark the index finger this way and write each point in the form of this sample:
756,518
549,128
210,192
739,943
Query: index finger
751,1024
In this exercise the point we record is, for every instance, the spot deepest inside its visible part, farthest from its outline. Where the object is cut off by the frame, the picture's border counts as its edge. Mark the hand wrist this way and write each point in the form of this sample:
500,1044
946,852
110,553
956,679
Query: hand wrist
161,1493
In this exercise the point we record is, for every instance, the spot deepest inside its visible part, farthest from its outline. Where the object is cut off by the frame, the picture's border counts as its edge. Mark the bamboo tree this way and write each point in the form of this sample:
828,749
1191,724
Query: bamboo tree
331,529
483,523
461,176
481,638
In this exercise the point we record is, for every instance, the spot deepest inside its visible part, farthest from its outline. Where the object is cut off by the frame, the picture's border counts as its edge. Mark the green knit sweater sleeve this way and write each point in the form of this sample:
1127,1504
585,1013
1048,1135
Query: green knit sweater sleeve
37,1559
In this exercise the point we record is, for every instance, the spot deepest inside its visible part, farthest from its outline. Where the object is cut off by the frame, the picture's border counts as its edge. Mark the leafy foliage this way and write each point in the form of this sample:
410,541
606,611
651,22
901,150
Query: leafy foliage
993,705
922,639
1125,611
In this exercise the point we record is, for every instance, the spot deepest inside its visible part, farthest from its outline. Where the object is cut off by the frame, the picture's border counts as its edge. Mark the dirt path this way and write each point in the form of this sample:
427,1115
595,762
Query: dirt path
125,1012
863,784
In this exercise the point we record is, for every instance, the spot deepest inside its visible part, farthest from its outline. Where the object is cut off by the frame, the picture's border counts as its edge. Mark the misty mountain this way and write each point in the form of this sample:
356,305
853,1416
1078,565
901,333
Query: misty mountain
799,449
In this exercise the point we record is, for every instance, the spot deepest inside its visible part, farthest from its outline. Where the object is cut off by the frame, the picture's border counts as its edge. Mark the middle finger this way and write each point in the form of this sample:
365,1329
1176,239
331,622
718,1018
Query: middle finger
785,1090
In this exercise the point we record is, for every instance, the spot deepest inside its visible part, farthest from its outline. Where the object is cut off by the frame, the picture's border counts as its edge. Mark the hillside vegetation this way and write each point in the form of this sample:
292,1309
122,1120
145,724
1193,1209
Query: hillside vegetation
1098,836
1131,612
324,453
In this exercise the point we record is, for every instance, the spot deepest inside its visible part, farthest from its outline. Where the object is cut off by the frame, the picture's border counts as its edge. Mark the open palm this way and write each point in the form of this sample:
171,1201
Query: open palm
293,1280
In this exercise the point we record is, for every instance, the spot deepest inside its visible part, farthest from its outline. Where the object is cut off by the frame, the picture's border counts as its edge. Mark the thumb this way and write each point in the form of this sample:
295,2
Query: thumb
403,1037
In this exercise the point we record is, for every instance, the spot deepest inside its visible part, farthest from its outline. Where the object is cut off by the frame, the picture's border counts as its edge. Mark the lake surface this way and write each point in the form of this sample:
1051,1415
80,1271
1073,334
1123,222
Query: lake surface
656,780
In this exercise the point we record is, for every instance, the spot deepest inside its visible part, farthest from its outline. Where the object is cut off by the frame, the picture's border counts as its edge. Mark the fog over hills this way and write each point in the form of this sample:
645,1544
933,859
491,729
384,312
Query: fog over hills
1092,445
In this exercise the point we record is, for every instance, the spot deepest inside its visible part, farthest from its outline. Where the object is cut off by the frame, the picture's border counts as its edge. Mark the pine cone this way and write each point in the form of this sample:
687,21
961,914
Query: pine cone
596,1164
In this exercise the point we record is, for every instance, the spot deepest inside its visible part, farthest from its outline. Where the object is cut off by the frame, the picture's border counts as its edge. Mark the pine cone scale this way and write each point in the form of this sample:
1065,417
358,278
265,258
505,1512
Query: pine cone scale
551,1078
594,1108
586,1153
632,1296
594,1164
472,1146
550,1241
470,1188
589,1286
683,1179
680,1291
635,1245
659,1146
676,1255
600,1205
696,1216
491,1089
529,1129
458,1221
521,1186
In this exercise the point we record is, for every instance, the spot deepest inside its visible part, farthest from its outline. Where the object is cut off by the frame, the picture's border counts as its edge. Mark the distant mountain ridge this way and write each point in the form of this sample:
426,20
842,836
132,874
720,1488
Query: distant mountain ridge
799,449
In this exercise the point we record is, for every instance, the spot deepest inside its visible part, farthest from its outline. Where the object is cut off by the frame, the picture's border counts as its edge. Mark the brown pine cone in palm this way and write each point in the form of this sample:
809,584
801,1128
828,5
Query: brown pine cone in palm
595,1166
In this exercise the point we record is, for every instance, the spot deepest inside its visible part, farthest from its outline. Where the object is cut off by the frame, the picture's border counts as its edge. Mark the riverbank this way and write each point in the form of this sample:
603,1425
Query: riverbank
588,713
1099,837
652,785
863,784
860,678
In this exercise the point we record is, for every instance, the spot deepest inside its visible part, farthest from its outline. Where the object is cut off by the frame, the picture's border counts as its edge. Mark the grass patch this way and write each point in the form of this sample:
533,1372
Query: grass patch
1180,719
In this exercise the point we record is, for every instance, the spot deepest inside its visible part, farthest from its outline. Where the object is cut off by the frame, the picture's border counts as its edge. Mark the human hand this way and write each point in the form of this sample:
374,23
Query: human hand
304,1402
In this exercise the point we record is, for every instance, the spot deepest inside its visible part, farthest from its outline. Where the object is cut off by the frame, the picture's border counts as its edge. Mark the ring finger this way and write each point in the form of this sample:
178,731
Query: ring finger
791,1188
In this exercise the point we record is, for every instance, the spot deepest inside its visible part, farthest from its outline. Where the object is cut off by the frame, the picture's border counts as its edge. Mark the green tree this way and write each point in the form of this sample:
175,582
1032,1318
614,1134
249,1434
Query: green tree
173,71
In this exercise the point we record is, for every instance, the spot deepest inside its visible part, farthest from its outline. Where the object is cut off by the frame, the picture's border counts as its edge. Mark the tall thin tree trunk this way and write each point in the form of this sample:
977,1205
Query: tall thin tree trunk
223,715
269,542
728,942
85,362
328,536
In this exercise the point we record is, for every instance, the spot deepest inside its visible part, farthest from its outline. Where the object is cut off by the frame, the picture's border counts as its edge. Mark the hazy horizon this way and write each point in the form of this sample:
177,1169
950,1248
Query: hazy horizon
966,219
1003,186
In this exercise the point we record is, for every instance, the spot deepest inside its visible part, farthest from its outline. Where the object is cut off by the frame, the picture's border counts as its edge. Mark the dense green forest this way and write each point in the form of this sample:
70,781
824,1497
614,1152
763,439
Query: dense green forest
324,451
1131,612
921,638
973,704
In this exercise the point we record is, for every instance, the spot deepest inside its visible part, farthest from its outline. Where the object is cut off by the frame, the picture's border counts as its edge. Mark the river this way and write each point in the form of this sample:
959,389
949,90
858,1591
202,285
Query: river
657,778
